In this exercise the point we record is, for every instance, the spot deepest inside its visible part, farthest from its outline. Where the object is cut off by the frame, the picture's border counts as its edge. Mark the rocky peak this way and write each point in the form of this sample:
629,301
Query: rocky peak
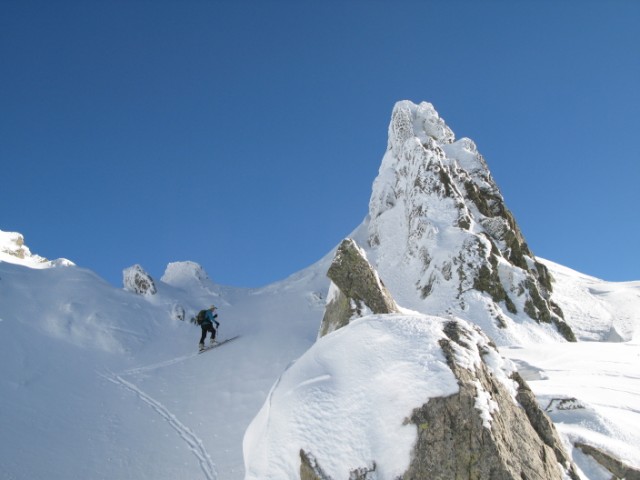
439,222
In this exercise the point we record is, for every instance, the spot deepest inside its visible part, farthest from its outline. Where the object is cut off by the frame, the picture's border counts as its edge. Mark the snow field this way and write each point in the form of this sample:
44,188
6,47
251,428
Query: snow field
604,380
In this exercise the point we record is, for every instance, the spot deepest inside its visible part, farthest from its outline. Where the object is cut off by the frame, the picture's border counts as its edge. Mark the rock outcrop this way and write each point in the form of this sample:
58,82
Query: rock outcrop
192,277
309,468
14,250
184,274
492,428
356,289
13,244
438,221
483,431
135,279
178,312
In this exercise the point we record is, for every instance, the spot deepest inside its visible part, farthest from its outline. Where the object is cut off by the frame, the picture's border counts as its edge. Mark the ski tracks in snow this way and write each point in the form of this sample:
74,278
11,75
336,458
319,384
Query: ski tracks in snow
191,439
155,366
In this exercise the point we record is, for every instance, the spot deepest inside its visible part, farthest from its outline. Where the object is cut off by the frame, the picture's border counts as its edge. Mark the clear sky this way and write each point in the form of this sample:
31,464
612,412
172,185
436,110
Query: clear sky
245,135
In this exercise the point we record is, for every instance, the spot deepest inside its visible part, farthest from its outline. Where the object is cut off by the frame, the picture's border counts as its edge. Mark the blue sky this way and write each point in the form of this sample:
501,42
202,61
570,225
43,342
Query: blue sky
245,136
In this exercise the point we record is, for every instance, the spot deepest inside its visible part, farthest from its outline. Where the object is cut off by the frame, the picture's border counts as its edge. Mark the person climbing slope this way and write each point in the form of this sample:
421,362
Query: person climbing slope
206,319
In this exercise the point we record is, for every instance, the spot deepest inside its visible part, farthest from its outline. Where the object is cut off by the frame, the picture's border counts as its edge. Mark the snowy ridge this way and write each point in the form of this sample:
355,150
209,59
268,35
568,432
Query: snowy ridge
13,250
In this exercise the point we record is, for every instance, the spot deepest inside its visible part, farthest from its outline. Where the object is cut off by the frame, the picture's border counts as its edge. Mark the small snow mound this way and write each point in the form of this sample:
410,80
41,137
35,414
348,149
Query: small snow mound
61,262
181,274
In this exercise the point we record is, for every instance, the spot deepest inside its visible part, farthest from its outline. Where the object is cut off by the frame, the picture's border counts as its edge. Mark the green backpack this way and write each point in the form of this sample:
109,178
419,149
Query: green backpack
201,317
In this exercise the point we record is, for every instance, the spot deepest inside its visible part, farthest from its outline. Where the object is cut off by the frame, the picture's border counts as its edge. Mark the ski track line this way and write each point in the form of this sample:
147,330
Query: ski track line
192,440
154,366
173,361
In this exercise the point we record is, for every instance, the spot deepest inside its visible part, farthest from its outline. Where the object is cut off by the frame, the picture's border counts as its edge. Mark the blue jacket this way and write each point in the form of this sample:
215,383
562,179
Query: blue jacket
210,317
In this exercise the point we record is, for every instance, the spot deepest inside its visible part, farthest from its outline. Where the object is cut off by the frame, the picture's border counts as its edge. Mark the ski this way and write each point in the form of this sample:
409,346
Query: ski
218,344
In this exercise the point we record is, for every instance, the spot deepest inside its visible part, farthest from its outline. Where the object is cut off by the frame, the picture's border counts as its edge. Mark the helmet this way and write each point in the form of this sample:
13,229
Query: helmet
212,307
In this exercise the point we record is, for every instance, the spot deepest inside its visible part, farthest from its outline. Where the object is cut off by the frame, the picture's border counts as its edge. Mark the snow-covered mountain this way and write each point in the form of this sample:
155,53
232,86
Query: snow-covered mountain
103,382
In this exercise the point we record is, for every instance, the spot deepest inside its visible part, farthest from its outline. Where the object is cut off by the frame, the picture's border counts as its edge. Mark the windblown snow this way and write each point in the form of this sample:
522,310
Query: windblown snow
97,382
354,413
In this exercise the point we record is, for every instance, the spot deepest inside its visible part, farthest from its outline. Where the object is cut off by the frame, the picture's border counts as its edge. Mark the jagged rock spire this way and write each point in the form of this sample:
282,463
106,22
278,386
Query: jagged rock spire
438,221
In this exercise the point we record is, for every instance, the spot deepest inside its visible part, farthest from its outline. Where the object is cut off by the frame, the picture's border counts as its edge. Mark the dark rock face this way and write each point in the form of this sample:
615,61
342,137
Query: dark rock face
137,280
541,423
357,288
455,442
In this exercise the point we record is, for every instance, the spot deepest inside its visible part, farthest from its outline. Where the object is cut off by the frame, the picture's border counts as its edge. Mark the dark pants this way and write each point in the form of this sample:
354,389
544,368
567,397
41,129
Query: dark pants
207,327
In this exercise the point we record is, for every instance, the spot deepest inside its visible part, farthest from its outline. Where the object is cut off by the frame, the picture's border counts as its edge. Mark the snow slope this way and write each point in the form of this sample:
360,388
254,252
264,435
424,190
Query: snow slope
103,383
602,372
106,384
599,310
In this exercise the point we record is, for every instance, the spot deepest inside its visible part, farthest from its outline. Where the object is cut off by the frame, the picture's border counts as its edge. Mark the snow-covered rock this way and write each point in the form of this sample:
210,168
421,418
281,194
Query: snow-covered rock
187,275
135,279
14,250
438,222
404,397
346,399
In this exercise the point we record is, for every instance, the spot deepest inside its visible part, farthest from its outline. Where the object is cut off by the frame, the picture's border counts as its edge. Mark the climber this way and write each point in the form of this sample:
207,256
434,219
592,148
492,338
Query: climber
207,319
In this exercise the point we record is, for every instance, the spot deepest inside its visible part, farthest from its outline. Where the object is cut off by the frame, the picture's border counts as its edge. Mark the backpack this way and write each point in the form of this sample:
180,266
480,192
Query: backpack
201,317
